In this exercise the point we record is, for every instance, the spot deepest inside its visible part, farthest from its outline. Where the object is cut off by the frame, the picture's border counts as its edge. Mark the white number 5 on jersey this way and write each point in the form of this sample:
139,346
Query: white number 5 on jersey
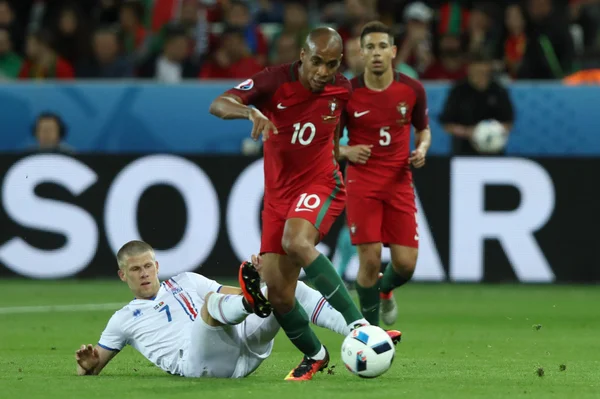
386,137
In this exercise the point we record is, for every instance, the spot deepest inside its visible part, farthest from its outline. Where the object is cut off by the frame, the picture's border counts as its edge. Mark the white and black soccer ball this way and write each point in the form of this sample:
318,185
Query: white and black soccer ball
489,137
368,351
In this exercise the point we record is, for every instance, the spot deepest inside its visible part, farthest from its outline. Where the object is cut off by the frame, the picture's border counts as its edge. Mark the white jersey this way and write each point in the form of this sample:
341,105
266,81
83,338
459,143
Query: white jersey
158,327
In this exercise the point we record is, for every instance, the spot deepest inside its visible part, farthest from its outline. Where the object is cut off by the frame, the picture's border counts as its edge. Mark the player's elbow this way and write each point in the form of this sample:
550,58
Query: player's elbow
216,107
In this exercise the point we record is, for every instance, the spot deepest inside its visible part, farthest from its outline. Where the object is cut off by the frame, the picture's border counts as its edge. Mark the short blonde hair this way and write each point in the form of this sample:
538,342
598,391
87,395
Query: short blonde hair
132,248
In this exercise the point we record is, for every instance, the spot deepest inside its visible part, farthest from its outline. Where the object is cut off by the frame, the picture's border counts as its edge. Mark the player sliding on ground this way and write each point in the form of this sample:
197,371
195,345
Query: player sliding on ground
192,326
298,112
381,200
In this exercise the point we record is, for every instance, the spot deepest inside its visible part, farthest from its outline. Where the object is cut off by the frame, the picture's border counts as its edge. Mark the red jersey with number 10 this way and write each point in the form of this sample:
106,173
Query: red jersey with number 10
383,119
302,153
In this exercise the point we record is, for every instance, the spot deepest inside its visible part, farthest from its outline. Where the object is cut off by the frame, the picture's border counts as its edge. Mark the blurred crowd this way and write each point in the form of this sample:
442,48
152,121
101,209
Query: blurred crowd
172,40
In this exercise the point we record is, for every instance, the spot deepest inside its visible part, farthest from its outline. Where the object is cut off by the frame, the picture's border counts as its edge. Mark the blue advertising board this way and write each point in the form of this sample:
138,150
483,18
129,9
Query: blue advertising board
133,117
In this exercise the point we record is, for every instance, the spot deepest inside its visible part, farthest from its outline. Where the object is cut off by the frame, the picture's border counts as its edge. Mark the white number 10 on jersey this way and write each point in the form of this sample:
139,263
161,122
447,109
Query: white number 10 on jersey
300,133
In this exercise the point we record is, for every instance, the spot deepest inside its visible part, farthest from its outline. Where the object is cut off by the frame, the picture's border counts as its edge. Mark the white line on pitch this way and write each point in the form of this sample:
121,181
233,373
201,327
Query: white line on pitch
60,308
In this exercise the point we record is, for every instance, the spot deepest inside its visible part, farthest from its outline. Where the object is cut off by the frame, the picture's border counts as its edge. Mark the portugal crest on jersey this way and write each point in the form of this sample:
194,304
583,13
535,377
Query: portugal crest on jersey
332,107
403,110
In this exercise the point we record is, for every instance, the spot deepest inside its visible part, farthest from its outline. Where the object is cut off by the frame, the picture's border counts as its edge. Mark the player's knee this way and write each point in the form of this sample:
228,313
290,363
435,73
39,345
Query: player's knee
205,313
370,262
296,247
370,266
405,263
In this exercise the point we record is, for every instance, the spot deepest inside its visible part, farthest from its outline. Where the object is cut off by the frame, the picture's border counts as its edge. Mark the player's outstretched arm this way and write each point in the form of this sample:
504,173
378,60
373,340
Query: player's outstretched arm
91,360
229,106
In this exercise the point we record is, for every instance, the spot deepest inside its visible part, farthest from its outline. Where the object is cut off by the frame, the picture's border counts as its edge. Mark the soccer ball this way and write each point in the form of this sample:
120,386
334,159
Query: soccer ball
489,136
368,351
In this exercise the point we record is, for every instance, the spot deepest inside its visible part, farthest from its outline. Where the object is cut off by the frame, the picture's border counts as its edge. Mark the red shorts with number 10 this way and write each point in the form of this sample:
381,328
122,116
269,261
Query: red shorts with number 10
321,205
389,218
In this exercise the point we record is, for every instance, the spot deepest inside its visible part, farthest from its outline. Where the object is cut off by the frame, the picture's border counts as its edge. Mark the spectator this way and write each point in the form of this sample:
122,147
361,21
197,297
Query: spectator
287,49
415,47
357,13
238,17
10,62
549,53
9,21
107,12
106,63
174,63
471,101
482,34
131,17
354,60
50,132
516,40
295,24
232,60
450,64
72,36
269,11
193,20
42,61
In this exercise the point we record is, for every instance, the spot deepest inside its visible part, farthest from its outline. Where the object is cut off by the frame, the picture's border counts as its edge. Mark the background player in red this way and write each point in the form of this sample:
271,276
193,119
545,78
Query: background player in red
298,111
381,202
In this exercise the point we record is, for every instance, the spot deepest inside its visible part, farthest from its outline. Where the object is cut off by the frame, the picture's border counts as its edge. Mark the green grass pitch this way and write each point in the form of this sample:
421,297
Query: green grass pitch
460,341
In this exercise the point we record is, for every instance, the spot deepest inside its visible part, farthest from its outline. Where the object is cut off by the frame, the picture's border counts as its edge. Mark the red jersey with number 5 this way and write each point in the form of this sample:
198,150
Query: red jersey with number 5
302,153
383,119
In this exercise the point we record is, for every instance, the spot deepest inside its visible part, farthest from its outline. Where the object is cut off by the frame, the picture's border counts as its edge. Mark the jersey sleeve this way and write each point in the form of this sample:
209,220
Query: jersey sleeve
420,115
259,87
113,338
202,284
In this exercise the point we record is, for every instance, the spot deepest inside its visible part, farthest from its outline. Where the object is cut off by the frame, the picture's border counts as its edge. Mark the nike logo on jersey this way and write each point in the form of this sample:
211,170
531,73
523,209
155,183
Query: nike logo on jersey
280,106
359,114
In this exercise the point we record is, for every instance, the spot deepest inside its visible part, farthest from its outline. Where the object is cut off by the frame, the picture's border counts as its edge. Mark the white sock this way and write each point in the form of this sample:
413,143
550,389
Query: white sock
319,311
320,354
227,309
360,322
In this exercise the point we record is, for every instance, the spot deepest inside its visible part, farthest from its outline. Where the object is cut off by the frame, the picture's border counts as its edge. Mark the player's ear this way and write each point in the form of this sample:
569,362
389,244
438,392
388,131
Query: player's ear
302,53
122,275
156,262
394,51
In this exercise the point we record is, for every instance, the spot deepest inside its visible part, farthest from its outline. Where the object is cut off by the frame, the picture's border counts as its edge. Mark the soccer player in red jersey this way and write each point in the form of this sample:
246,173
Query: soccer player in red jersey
381,201
298,112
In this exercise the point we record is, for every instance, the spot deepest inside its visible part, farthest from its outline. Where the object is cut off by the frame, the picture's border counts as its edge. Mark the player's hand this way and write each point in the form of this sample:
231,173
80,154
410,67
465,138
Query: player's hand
359,154
87,357
261,125
417,158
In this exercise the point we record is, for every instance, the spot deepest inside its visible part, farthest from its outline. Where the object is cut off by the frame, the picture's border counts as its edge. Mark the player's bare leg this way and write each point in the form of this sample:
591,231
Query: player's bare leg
300,238
367,280
397,273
